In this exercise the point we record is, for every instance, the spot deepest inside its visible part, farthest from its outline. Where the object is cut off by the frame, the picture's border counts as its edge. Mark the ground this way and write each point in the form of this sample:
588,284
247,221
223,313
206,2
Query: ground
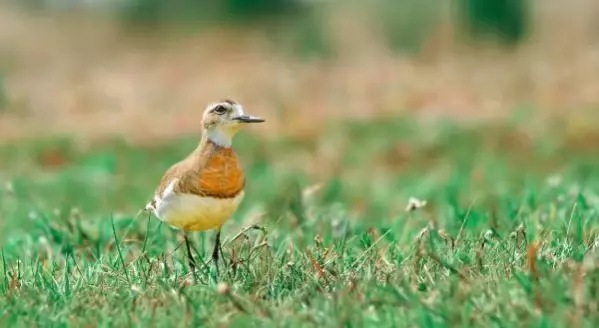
508,235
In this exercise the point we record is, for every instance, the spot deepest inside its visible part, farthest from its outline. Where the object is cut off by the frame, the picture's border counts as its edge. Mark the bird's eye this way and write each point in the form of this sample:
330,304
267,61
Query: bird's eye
220,110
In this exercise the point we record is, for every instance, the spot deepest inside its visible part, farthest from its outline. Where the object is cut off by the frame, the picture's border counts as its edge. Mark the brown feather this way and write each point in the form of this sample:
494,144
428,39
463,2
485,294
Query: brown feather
210,171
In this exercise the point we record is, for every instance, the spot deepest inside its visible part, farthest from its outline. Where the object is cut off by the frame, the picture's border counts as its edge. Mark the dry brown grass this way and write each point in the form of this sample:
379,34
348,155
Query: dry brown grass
86,77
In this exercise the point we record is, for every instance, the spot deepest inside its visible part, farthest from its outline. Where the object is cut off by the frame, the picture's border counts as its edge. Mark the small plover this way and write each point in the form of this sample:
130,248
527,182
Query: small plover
202,191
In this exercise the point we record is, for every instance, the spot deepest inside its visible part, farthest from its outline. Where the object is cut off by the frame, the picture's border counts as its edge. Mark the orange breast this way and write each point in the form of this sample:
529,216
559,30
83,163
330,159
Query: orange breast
222,175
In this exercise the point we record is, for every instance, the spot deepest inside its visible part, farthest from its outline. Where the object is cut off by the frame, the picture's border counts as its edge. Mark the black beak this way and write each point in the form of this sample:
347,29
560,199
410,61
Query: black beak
248,119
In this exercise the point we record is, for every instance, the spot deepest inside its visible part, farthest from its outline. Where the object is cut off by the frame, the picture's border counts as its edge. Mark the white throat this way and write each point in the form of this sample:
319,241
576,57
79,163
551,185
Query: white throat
220,137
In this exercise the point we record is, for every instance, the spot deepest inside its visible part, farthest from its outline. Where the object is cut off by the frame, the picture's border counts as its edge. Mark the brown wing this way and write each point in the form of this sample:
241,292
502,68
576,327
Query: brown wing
172,173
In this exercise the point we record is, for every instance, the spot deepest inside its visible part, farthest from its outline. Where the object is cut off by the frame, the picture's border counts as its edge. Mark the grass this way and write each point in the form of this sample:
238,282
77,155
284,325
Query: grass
508,236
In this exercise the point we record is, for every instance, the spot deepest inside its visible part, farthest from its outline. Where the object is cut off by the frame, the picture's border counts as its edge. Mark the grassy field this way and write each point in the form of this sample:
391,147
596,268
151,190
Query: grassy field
508,236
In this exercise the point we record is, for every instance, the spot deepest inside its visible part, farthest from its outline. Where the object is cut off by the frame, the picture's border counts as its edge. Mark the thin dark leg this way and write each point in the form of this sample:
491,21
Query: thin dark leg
192,262
216,251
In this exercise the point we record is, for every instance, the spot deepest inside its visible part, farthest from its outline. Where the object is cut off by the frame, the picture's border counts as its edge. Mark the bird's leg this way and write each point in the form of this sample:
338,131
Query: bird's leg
192,263
217,249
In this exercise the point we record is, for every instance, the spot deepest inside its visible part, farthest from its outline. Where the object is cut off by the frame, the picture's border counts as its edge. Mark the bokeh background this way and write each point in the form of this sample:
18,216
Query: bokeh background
145,69
484,111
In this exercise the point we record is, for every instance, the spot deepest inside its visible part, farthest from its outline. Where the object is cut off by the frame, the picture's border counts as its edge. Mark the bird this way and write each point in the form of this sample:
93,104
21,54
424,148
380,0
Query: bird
202,191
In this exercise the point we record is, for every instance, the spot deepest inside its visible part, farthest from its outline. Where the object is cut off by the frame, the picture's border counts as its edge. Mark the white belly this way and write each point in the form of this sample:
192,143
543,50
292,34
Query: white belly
194,213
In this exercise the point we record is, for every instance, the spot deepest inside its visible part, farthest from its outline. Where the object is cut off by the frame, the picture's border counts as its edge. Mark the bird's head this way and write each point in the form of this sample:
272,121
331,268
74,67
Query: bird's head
223,120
